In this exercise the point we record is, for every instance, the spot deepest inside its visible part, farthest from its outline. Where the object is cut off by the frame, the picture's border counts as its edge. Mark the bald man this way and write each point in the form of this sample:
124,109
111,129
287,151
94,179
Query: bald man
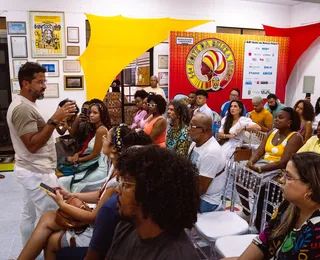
260,115
207,155
154,87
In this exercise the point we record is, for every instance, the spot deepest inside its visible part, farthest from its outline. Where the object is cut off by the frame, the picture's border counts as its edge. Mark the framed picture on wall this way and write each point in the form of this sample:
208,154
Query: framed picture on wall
16,64
19,47
15,87
71,66
52,90
73,34
73,50
163,61
16,28
52,67
163,78
47,34
73,82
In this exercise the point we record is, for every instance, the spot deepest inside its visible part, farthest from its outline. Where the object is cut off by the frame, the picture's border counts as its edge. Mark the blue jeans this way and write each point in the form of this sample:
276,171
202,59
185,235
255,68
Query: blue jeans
206,206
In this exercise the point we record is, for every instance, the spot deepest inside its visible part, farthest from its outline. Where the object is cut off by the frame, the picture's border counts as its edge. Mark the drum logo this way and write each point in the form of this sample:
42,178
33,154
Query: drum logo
210,65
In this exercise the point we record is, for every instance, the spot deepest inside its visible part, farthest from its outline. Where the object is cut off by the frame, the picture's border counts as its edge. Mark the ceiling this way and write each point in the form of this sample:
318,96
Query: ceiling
285,2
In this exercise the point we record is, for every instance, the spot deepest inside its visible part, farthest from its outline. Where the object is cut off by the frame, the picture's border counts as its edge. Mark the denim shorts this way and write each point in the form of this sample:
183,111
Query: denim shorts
207,207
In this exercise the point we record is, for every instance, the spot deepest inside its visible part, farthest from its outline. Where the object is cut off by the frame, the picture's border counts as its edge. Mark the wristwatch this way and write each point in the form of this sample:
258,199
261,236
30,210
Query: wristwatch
51,122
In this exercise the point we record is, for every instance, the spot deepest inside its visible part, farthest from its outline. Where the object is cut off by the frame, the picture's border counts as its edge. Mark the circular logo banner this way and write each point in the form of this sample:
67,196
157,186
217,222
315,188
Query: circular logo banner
210,65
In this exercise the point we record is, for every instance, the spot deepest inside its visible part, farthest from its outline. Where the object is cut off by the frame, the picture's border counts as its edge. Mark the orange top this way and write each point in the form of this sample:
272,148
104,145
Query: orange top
161,140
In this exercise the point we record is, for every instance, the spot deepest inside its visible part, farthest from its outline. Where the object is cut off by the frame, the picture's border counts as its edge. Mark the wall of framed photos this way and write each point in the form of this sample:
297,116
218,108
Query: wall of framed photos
63,69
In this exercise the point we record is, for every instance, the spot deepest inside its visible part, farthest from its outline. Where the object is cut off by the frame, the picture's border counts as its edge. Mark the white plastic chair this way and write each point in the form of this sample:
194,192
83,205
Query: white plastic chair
234,246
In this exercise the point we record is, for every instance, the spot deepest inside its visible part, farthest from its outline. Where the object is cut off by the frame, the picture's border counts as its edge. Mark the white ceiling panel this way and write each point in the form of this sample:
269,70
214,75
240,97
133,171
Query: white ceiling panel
284,2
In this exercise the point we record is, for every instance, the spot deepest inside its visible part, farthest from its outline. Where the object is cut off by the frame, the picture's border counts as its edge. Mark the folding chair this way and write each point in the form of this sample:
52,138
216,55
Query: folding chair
213,225
234,246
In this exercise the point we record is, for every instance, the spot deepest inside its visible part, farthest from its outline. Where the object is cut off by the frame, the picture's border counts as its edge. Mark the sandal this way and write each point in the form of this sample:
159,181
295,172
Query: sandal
2,176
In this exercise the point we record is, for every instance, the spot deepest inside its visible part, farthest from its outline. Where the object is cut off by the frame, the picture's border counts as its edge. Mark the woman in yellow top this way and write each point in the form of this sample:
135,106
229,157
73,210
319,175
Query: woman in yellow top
278,146
306,113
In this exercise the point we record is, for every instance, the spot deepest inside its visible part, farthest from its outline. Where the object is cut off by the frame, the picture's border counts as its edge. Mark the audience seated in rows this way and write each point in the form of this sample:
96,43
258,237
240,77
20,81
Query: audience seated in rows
177,138
201,102
47,234
293,231
260,115
139,96
234,95
233,126
273,105
157,125
206,153
306,113
89,155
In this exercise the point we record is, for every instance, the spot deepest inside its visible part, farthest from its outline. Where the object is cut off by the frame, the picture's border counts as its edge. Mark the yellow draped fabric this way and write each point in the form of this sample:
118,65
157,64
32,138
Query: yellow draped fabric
116,41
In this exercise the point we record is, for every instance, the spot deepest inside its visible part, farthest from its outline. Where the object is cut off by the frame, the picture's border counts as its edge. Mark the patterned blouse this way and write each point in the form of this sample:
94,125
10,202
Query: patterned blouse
178,139
302,243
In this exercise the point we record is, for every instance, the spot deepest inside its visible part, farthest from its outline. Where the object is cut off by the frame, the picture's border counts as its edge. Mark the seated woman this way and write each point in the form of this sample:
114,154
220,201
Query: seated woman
293,231
313,144
89,155
139,96
233,126
47,232
275,150
306,113
178,138
147,116
156,127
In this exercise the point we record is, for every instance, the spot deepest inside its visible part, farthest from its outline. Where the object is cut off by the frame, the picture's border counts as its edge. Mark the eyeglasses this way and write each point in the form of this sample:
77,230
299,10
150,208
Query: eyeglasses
41,83
125,185
151,105
232,95
287,177
194,126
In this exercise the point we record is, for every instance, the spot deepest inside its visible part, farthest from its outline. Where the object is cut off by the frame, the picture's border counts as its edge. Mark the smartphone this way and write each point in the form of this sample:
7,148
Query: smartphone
84,111
47,188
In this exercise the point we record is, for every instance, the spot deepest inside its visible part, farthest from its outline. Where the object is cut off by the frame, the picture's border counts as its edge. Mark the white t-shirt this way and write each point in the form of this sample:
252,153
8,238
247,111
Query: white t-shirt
210,160
204,110
157,90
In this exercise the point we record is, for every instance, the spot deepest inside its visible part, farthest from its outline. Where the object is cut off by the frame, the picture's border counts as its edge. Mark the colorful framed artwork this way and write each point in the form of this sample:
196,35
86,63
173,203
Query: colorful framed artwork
16,28
163,61
15,86
71,66
16,64
52,90
52,67
73,50
73,34
19,47
73,82
47,34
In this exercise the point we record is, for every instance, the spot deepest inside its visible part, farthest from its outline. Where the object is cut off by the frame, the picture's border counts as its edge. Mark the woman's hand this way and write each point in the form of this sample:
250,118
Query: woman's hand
240,130
58,198
73,159
64,192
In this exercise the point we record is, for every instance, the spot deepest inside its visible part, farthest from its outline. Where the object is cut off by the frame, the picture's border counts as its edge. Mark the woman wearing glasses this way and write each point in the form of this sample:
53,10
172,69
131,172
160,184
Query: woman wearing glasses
48,235
233,126
156,127
293,231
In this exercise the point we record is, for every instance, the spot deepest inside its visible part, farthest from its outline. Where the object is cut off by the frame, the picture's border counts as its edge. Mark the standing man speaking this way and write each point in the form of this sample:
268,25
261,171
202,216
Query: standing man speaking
31,134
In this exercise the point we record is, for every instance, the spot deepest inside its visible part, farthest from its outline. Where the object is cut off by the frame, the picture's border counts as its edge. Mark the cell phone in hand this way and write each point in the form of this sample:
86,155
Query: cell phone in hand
47,188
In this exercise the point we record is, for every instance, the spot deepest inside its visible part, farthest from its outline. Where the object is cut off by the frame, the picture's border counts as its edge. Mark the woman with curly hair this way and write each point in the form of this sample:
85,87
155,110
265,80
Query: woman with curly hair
50,236
158,201
177,138
306,113
293,231
139,96
157,125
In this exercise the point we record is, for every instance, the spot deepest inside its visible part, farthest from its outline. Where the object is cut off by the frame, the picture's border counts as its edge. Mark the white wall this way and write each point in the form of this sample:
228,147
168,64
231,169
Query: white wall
309,62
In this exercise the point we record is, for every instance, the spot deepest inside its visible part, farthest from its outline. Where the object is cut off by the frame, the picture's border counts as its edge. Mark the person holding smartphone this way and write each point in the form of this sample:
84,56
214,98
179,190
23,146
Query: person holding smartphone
31,134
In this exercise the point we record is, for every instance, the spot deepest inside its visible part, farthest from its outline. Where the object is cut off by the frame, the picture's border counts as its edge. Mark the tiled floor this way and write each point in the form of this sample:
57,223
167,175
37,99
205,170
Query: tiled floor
10,205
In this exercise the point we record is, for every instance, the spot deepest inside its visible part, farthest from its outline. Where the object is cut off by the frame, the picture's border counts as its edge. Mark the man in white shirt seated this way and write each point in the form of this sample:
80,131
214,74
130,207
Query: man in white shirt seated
206,153
154,87
201,102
